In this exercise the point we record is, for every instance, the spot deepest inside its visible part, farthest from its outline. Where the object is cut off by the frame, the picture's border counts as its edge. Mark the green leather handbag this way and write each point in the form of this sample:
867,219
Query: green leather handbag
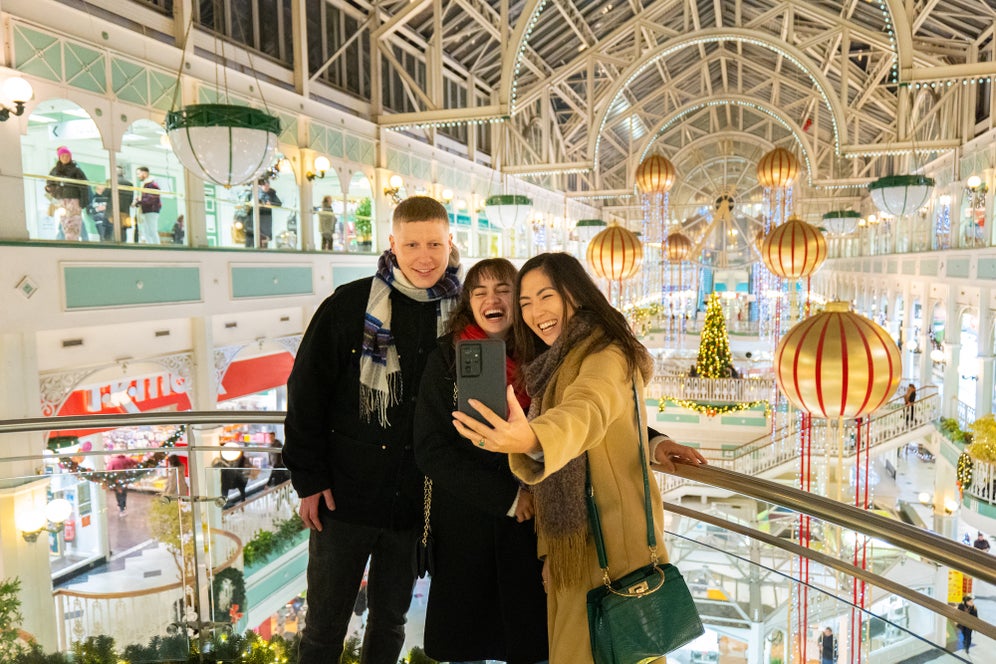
646,613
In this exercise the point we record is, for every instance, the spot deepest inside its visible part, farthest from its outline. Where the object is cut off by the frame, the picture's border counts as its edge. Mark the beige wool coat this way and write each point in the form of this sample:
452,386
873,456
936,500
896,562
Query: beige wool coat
588,407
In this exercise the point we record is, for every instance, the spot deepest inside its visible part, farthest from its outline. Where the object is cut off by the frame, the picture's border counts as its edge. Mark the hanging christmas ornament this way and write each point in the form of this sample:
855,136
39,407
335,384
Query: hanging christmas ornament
838,364
678,247
615,253
655,175
794,250
777,168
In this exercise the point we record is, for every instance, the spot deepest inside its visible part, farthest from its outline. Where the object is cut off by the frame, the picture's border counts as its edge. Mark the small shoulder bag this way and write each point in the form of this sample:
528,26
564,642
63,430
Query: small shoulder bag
647,613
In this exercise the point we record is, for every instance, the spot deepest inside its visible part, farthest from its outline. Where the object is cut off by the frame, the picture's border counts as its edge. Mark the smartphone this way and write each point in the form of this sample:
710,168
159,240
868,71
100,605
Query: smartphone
481,375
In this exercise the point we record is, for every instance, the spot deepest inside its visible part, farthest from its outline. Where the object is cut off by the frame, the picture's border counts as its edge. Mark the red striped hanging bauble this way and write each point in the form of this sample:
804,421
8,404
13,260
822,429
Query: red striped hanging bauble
838,364
615,253
794,250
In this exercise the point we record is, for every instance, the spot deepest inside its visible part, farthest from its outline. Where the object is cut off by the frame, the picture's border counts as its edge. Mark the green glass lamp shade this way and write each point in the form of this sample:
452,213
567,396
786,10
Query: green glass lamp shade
224,144
508,210
841,222
900,195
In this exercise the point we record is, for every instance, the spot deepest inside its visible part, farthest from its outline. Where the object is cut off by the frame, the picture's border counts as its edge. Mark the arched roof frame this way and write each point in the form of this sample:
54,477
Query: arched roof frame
738,136
794,55
775,113
896,21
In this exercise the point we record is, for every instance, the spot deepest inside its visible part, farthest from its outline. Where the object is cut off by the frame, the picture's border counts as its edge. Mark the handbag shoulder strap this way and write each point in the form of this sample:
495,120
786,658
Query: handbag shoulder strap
426,507
593,517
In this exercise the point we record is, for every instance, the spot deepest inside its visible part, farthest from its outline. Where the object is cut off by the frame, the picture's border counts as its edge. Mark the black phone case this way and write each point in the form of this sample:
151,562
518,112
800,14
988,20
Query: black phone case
480,369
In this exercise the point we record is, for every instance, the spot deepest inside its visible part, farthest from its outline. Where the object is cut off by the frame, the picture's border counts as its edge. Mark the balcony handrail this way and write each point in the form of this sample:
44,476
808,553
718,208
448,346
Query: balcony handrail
929,603
932,546
929,545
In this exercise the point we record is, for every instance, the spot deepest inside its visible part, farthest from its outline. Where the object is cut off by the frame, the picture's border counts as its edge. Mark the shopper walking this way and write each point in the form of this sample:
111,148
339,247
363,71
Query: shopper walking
968,606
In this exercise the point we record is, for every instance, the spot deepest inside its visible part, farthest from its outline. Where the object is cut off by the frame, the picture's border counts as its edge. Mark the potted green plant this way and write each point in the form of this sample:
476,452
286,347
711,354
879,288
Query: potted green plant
362,222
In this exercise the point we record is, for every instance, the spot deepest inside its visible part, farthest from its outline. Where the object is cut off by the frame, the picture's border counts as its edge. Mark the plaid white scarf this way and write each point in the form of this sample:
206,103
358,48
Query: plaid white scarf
380,369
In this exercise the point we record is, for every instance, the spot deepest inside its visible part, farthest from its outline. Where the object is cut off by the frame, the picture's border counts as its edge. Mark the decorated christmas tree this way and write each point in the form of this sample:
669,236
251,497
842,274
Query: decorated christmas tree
714,359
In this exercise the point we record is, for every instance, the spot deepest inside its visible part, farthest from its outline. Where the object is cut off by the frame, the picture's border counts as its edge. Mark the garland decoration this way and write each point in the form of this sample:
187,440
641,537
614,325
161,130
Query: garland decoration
229,587
963,471
642,318
119,479
714,409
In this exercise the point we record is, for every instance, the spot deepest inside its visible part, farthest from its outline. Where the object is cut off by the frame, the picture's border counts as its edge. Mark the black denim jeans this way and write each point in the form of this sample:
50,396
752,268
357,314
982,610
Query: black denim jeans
337,557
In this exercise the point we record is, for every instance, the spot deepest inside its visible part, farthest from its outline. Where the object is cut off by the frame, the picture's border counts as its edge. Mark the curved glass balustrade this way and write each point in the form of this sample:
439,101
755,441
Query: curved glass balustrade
188,565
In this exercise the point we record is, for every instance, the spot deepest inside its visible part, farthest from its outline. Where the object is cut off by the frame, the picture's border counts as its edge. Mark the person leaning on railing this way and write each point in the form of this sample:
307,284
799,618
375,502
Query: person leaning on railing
73,196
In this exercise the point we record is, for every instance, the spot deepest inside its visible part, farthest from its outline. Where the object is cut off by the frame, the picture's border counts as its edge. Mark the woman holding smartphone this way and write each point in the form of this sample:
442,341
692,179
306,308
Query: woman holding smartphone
486,600
580,360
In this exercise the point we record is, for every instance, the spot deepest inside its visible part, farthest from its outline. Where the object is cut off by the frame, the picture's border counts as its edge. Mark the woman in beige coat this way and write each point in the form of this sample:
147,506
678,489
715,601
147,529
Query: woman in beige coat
582,361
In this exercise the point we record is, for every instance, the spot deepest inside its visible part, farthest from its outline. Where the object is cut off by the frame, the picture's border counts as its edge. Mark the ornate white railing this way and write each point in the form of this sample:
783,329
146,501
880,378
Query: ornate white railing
733,390
983,485
782,445
81,614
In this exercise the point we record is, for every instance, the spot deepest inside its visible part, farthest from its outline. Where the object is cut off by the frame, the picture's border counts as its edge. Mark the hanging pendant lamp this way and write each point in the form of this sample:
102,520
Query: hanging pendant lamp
507,210
899,195
221,143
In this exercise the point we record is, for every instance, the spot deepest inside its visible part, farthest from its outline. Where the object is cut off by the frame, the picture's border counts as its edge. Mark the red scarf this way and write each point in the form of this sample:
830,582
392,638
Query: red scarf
474,331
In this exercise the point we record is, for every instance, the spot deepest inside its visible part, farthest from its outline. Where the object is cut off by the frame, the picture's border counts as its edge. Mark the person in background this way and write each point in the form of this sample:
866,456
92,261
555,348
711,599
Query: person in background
981,543
268,199
326,224
909,397
179,231
149,204
72,196
827,645
482,518
968,606
278,473
234,475
125,196
585,372
117,463
176,480
350,413
102,211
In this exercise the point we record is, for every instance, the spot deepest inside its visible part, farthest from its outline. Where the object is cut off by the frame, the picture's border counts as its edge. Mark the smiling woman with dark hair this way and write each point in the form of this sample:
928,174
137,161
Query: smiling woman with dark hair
585,372
482,518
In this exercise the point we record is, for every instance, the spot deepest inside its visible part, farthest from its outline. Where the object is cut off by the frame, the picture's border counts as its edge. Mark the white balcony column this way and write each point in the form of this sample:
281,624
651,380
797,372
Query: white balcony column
984,388
952,355
13,224
20,397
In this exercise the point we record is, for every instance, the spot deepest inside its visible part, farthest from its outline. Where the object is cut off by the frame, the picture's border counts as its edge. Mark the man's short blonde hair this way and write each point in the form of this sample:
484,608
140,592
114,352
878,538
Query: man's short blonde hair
419,208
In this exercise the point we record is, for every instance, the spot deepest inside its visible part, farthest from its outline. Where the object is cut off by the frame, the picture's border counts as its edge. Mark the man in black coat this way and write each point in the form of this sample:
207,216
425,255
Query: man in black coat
351,406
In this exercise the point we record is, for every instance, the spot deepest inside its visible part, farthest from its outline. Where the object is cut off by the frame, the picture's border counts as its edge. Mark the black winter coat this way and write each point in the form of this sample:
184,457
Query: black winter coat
60,189
486,599
370,469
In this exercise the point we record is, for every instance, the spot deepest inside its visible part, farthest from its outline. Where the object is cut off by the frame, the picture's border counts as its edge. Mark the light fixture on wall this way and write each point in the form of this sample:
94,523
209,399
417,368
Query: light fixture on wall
975,190
447,196
322,165
393,188
937,356
33,522
15,92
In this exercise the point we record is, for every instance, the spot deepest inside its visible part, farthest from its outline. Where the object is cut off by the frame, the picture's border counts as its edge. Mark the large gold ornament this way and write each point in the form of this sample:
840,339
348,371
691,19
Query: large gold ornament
838,364
615,253
777,168
794,250
655,175
678,247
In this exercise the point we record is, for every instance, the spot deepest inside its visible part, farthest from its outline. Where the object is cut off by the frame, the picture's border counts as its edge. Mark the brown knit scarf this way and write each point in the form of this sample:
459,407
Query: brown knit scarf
561,510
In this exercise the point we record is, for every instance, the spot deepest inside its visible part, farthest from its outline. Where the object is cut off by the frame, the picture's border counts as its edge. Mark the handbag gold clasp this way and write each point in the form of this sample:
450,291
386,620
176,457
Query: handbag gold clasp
639,589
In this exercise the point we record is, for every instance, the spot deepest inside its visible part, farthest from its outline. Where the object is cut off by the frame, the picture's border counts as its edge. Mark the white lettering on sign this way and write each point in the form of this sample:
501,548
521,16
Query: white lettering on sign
128,394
